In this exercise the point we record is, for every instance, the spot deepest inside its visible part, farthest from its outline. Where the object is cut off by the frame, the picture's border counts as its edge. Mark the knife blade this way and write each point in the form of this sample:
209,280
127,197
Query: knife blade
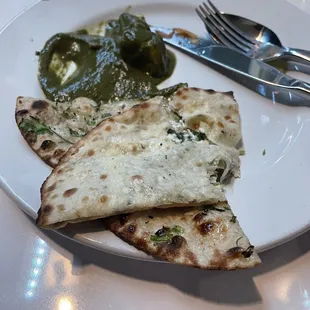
256,75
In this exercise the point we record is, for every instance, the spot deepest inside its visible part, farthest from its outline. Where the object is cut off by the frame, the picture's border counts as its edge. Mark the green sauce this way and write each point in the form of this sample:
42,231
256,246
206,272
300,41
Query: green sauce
128,62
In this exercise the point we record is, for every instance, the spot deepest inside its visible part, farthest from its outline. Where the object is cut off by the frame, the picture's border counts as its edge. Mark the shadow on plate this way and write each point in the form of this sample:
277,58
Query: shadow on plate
232,287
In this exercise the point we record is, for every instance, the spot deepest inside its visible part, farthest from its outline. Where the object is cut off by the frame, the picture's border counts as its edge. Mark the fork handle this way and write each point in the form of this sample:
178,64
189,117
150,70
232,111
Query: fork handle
302,56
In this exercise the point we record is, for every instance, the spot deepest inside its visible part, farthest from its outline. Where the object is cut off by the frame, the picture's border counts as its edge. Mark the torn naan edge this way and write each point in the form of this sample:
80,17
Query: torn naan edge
145,157
208,237
51,129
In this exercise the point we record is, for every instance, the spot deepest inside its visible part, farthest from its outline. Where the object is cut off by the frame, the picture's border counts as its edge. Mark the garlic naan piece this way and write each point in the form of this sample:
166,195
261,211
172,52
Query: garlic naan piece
143,158
51,129
208,237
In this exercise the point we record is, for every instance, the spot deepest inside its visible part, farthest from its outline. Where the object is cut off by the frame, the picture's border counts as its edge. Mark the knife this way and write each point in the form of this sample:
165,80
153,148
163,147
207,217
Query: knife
256,75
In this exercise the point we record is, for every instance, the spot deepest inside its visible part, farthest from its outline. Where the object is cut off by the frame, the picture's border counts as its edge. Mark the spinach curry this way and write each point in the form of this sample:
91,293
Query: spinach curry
128,62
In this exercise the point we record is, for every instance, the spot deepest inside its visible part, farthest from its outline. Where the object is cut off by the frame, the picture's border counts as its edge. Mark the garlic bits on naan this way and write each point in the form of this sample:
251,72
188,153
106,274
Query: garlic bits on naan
144,158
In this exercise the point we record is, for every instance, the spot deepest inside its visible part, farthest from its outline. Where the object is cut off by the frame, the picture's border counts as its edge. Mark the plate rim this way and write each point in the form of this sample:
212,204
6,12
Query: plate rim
30,211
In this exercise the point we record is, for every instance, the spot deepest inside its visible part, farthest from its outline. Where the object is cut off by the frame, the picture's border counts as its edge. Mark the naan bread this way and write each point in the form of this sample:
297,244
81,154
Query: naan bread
51,129
144,158
214,113
206,237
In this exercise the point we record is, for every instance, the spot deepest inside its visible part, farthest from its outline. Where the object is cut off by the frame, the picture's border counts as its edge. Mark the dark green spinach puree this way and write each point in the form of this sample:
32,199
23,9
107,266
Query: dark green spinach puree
128,62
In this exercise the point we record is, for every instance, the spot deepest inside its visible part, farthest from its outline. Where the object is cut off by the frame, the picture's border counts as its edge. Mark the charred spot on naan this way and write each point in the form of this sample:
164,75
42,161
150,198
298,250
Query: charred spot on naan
31,137
51,187
228,260
39,105
177,242
21,113
104,199
123,219
69,192
19,100
90,153
43,214
103,176
198,217
206,227
194,122
220,124
238,251
131,228
170,248
47,209
175,250
48,145
58,153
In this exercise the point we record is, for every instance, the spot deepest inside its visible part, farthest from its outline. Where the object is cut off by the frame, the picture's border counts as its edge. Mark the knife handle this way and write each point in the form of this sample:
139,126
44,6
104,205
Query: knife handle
284,89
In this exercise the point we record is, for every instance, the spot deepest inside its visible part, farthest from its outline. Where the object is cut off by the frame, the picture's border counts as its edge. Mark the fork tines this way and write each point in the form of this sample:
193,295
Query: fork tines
222,30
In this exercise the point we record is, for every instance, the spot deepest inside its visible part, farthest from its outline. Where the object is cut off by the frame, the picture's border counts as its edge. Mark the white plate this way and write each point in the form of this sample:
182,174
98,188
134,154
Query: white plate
270,200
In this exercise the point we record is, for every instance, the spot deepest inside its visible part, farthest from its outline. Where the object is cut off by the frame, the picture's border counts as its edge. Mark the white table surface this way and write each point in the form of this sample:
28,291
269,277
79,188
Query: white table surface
42,270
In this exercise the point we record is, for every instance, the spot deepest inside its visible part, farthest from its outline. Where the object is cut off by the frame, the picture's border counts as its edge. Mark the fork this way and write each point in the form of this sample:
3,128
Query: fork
223,31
